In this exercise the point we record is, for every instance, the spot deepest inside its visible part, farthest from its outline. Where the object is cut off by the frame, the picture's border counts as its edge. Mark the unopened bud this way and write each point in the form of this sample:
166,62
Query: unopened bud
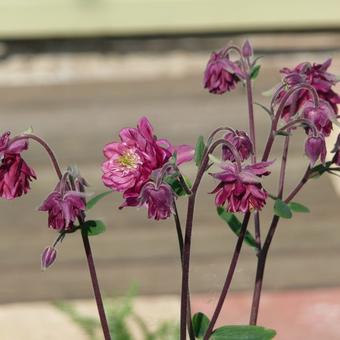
48,257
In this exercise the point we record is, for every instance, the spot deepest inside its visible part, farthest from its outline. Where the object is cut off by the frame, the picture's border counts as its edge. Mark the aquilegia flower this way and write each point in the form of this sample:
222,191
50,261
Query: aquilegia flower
48,257
63,206
242,143
315,148
321,116
221,74
15,174
158,200
130,162
315,75
240,189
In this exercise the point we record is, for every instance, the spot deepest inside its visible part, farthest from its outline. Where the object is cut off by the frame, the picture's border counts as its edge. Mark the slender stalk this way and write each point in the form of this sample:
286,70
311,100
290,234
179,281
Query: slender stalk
229,276
45,146
299,186
251,116
180,245
188,228
95,284
85,238
262,255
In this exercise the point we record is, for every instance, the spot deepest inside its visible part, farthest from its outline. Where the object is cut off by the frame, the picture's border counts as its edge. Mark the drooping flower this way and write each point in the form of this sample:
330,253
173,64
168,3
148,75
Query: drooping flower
63,206
130,162
158,200
336,151
321,116
221,74
315,148
240,189
48,257
315,75
15,174
242,143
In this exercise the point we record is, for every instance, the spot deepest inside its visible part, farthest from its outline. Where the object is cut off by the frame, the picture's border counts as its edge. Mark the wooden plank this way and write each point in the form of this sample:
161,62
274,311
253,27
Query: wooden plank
62,18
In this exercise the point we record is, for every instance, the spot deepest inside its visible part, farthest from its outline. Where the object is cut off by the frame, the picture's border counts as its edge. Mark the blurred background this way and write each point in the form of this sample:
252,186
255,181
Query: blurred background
78,71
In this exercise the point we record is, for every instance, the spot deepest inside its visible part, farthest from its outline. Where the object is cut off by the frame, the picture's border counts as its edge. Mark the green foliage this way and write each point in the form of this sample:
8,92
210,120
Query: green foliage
298,207
87,324
176,185
118,312
200,323
235,225
270,113
255,72
320,169
94,227
94,200
282,209
243,333
199,150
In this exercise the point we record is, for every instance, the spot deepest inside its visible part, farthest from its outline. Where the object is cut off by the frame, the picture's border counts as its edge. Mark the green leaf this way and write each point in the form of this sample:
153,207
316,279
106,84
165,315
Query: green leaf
235,225
176,185
282,209
298,207
94,227
200,323
283,133
320,169
93,201
255,72
200,146
270,113
243,333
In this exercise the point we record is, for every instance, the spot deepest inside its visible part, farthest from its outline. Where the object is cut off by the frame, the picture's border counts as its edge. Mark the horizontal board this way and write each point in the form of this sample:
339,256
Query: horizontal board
62,18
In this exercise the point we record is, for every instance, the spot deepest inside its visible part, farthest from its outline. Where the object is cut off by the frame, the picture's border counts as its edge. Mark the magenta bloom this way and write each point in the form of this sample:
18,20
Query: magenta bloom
63,207
15,176
221,74
315,148
130,162
241,191
315,75
321,116
242,143
48,257
159,201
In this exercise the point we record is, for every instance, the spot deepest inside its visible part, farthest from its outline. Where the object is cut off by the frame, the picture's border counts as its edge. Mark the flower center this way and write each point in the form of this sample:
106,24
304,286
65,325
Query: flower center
129,160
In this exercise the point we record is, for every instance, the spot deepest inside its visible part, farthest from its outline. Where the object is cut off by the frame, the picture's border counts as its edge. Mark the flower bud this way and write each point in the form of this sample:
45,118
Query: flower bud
315,148
247,49
48,257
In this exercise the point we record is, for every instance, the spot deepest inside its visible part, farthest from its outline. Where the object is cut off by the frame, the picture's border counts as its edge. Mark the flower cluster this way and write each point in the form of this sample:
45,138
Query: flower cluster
130,163
321,115
15,174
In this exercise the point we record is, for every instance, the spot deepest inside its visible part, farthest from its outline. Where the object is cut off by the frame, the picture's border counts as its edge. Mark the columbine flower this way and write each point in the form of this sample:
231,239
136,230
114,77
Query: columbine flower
159,201
221,74
336,151
63,206
130,162
240,189
321,116
315,75
315,148
242,143
247,49
48,257
15,174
